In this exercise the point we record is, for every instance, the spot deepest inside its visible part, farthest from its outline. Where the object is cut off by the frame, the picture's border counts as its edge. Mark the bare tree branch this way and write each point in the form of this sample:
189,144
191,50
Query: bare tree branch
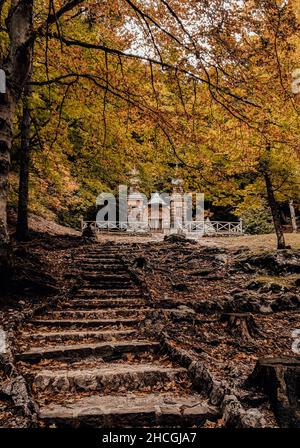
74,42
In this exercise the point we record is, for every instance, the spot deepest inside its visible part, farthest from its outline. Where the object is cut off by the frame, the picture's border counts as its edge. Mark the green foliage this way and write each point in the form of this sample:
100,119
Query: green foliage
257,219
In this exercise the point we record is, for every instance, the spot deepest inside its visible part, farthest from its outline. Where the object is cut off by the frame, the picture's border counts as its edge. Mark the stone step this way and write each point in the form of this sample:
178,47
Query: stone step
100,259
99,263
112,377
111,278
80,323
62,336
102,303
97,260
97,314
94,269
105,285
107,293
106,350
132,410
108,298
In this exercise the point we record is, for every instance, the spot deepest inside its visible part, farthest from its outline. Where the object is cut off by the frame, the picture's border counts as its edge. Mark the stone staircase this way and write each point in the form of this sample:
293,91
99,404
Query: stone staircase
87,362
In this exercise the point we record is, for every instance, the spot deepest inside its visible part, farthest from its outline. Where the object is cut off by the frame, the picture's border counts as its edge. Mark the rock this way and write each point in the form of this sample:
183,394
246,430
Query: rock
175,238
61,383
202,378
180,287
217,393
140,262
265,309
214,250
232,411
16,389
235,416
275,263
206,306
270,284
41,382
182,313
178,238
245,302
186,309
252,418
86,382
286,302
89,235
223,258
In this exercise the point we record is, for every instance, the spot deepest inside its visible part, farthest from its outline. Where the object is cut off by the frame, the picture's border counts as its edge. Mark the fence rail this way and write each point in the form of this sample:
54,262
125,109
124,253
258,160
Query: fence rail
200,227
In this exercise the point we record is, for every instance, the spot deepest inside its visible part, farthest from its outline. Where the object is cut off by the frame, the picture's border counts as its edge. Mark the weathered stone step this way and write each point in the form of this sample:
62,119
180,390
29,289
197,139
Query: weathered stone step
107,298
107,293
108,285
134,410
80,323
111,278
106,350
99,264
90,257
94,268
103,303
97,314
112,377
95,261
62,336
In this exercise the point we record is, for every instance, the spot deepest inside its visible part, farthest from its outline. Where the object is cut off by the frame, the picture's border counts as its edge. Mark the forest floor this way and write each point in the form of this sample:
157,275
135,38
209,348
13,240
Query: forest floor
254,242
222,302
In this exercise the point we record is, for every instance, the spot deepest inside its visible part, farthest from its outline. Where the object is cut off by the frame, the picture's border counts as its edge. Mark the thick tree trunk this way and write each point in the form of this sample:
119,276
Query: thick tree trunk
7,108
279,378
22,222
275,212
17,67
6,119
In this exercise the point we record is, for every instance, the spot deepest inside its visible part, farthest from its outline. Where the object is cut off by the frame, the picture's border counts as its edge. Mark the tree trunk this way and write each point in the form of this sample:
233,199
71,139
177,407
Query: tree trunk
293,215
22,222
6,120
275,212
17,67
241,325
279,378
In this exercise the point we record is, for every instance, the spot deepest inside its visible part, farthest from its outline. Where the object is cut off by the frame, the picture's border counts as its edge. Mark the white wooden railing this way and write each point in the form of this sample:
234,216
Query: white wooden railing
214,227
202,227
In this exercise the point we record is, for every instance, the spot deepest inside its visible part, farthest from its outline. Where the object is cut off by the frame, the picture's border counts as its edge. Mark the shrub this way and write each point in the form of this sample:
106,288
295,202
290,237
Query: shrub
257,220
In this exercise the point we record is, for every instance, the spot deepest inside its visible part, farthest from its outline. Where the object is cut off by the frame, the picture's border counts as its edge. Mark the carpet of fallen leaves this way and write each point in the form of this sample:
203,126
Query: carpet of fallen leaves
194,283
202,284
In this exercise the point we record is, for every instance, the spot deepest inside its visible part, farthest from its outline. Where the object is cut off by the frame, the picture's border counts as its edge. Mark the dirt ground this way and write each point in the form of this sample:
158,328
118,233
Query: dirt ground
194,286
253,242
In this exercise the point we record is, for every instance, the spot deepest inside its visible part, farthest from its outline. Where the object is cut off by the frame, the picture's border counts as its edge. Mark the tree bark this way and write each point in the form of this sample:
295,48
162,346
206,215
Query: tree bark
17,66
241,325
275,211
279,378
22,221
